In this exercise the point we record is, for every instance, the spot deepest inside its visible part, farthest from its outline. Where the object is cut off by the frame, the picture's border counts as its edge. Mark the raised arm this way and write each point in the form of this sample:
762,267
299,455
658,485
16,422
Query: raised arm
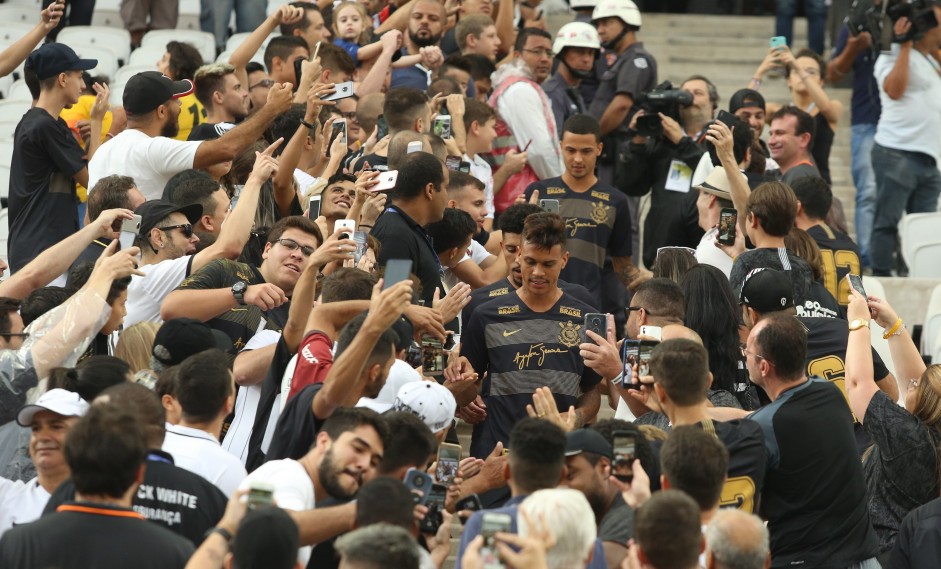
57,259
390,42
840,65
721,137
398,20
905,355
239,59
830,108
11,57
860,388
503,22
896,82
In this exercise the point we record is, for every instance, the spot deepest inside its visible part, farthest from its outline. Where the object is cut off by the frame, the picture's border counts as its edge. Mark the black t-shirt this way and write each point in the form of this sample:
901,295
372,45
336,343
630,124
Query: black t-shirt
209,131
617,525
240,323
503,287
90,254
814,496
297,426
919,539
794,267
597,224
270,390
840,257
402,238
42,195
185,503
83,535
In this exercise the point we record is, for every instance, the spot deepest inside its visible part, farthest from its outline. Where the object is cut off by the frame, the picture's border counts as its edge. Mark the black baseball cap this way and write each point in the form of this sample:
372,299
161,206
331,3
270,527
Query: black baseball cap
767,290
148,90
746,98
153,211
181,338
52,59
587,440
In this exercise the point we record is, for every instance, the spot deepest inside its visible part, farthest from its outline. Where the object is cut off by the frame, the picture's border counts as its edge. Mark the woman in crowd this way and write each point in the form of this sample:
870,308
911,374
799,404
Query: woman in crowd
673,263
902,469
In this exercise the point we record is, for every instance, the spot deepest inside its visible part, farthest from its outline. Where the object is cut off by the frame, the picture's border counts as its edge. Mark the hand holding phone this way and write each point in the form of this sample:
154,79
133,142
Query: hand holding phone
625,444
313,207
130,228
728,220
550,206
856,282
341,91
778,41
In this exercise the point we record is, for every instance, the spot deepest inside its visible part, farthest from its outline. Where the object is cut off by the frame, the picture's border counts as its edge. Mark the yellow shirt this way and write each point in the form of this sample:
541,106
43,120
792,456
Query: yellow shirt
81,111
192,114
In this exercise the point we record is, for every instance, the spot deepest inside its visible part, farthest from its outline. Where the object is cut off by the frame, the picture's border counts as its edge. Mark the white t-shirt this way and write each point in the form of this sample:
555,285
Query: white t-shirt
913,122
480,169
200,453
145,294
151,161
476,252
246,404
293,490
20,502
708,254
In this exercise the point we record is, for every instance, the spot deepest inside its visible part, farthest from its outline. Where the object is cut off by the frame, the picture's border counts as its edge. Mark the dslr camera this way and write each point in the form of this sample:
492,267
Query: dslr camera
662,99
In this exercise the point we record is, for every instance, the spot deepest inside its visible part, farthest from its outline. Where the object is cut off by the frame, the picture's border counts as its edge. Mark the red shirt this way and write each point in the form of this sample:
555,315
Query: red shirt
314,360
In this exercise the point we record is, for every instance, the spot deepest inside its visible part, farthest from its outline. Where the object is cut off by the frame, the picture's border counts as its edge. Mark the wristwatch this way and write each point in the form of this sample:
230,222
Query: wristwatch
238,291
857,324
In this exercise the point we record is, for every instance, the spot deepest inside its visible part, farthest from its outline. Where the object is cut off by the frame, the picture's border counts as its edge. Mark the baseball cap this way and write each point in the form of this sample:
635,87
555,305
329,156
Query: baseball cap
59,401
717,184
267,537
148,90
154,211
181,338
399,374
746,98
767,290
587,440
52,59
431,402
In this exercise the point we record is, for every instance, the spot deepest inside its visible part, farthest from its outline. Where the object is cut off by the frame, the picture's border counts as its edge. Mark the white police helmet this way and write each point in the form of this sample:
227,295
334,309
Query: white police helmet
576,34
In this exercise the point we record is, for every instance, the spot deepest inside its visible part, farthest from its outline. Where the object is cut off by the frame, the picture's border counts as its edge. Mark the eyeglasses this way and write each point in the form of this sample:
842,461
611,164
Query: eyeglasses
262,83
185,228
292,245
746,351
350,116
539,52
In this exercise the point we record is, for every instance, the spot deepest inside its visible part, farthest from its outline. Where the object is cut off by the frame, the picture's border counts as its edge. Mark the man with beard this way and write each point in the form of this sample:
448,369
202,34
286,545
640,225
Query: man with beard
224,97
146,149
346,453
168,242
425,25
588,460
576,46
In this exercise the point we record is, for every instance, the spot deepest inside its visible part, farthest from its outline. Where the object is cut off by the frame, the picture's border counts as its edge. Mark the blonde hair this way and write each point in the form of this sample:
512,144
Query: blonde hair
135,345
803,245
927,405
366,34
652,433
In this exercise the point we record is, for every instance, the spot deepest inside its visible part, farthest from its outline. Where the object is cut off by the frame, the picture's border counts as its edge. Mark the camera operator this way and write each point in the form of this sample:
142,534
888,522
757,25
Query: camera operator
662,156
907,146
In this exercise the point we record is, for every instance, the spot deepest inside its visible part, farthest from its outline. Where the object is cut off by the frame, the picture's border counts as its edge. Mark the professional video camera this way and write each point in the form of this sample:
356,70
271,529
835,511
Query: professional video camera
865,16
662,99
919,12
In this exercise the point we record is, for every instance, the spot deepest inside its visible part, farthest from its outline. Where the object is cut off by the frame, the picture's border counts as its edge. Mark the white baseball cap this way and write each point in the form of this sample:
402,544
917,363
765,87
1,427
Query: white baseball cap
431,402
399,374
59,401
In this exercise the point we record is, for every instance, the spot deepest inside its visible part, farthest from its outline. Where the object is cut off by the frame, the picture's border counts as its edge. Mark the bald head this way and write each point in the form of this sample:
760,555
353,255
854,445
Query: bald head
737,539
679,332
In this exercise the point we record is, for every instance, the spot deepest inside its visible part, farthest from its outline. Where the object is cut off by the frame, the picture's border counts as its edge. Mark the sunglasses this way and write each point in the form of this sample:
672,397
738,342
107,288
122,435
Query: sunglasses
185,228
292,245
262,83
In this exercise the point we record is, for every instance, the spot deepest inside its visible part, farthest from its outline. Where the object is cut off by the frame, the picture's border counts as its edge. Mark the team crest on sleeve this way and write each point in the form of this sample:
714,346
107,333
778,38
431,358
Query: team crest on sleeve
599,213
569,336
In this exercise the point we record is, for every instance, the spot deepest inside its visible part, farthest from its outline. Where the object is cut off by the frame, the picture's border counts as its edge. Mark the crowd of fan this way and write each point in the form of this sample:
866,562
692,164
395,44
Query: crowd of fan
291,284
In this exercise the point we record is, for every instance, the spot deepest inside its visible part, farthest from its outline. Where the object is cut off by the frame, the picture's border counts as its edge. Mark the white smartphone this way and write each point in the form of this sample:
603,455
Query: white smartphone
130,228
652,332
343,90
386,181
416,146
346,224
313,207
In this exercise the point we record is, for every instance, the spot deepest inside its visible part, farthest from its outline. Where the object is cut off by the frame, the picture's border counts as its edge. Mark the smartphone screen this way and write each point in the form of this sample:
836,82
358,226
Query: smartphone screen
260,494
339,128
313,207
728,219
630,351
442,126
382,129
453,163
449,458
432,356
645,350
856,282
397,270
625,445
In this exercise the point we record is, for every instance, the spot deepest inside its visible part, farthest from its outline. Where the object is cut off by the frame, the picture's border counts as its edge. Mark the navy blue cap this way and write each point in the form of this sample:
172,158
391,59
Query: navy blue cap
52,59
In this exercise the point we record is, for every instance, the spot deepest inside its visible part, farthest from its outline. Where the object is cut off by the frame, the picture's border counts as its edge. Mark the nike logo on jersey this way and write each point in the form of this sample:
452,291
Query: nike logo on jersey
507,333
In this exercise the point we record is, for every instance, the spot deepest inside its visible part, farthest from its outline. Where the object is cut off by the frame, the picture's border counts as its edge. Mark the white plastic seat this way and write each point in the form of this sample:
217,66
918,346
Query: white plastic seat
5,82
18,91
128,71
19,14
931,331
107,61
7,129
117,40
13,29
117,94
188,18
203,41
6,153
4,221
926,261
107,17
226,55
915,229
12,110
147,55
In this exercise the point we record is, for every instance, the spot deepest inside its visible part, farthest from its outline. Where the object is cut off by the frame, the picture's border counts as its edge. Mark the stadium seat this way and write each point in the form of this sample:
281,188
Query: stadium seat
19,14
18,91
7,128
917,228
5,82
226,55
189,15
874,287
107,61
924,262
931,333
116,40
147,55
13,110
12,28
108,14
129,71
204,42
4,221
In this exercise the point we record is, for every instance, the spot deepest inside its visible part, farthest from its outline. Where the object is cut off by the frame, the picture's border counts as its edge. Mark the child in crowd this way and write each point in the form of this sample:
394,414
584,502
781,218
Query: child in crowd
353,32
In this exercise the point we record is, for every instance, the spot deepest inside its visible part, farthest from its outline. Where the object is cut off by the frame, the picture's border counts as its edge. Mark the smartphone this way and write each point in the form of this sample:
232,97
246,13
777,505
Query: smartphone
435,504
597,323
339,129
643,357
727,118
413,356
360,238
414,146
343,90
236,192
313,207
130,228
465,167
298,71
636,352
453,163
856,282
419,483
382,128
652,331
649,125
432,356
471,503
625,445
313,56
348,225
397,270
490,524
260,494
551,206
386,181
442,126
728,219
778,41
449,458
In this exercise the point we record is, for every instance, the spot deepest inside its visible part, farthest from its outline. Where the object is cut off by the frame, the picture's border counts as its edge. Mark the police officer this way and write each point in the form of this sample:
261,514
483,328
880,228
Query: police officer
576,48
